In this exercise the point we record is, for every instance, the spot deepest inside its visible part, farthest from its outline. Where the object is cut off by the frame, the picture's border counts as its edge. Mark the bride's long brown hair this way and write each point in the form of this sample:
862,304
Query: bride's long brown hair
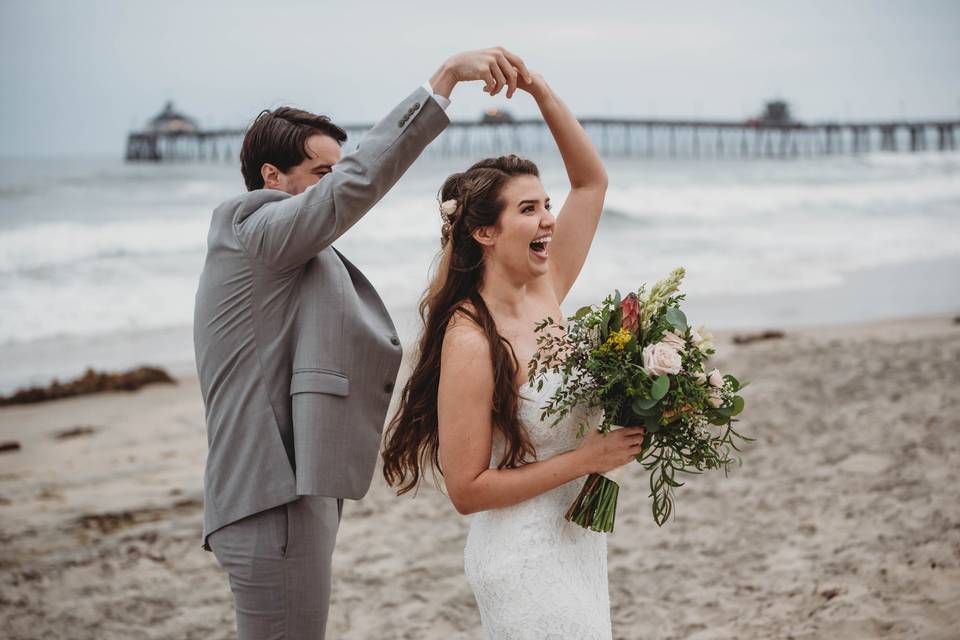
412,441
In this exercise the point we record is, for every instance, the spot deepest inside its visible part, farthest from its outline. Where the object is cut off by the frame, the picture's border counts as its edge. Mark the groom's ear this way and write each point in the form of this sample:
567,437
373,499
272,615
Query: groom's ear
270,175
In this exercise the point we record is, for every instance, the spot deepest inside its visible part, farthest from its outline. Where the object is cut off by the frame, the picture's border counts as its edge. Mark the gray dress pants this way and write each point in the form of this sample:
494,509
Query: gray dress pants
279,565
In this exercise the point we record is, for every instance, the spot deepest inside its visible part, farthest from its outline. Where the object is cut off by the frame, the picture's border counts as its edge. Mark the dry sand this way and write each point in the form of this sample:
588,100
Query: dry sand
844,521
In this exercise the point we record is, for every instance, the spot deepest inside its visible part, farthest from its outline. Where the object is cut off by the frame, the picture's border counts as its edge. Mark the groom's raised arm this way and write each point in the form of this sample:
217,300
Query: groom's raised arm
286,231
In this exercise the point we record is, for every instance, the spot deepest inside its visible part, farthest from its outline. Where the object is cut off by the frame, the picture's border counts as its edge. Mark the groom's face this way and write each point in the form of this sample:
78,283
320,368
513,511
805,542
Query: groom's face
322,153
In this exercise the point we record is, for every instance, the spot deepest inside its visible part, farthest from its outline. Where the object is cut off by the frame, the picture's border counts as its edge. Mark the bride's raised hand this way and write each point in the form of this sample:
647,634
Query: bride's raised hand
496,66
603,452
536,86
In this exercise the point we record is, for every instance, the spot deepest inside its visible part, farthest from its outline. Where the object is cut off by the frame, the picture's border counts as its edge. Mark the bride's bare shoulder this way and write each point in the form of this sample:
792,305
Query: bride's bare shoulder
465,354
464,332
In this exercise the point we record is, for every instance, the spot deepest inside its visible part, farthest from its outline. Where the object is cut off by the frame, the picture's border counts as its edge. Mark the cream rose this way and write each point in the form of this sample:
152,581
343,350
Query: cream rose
695,337
714,398
675,341
661,359
716,380
704,340
701,377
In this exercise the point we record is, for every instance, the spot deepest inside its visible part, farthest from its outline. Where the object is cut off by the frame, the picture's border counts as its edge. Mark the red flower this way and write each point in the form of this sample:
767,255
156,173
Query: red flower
631,313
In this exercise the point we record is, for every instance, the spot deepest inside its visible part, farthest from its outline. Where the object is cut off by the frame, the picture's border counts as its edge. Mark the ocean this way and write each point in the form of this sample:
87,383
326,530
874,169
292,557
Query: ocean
99,259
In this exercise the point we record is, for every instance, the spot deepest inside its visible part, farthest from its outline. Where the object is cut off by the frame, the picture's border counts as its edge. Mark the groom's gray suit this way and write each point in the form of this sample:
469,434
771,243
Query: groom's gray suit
297,356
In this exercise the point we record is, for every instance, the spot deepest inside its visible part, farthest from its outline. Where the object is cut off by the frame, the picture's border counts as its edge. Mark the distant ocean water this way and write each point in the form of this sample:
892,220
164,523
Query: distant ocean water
98,252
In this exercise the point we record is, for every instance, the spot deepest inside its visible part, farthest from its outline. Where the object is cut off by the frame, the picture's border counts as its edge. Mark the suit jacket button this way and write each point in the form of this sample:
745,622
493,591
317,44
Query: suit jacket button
416,105
394,340
401,123
388,387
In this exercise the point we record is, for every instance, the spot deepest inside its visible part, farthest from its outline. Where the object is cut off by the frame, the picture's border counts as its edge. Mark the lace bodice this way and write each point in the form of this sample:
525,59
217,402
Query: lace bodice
535,575
547,440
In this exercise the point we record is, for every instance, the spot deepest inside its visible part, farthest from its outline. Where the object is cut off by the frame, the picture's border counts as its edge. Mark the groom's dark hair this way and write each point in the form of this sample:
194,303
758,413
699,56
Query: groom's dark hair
279,137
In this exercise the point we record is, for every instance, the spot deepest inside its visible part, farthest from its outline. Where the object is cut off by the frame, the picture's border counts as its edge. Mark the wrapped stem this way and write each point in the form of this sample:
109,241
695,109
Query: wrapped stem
596,506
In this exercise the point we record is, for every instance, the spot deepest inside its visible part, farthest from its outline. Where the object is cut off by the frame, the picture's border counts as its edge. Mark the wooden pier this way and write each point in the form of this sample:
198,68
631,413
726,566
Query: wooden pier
614,137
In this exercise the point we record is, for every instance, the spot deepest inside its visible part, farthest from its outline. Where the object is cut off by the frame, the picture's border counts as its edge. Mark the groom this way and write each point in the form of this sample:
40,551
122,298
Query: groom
296,354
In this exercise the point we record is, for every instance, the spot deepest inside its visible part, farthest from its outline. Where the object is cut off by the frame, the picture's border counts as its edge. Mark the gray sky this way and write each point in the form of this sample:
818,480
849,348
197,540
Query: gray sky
76,75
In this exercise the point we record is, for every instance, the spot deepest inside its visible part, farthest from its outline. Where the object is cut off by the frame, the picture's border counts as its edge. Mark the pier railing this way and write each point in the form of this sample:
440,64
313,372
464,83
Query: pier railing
613,137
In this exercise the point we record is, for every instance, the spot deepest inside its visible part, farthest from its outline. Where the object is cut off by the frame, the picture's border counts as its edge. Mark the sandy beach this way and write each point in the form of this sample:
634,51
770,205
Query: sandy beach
843,522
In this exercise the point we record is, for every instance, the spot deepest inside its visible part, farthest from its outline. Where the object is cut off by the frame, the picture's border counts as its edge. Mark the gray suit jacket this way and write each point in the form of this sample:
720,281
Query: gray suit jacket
296,354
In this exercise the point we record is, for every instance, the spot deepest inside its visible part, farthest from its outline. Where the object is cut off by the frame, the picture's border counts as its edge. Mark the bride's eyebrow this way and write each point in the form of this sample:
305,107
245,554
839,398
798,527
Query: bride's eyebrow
523,202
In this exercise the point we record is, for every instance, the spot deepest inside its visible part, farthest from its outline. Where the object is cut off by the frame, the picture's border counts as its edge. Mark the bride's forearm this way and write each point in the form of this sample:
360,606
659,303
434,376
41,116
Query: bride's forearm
582,161
499,488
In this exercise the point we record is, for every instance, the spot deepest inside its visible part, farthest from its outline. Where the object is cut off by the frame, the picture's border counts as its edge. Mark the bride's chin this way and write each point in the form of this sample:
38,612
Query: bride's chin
537,269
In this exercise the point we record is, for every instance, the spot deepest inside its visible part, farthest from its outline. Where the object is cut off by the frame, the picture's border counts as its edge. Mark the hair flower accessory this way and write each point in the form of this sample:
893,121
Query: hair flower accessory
447,209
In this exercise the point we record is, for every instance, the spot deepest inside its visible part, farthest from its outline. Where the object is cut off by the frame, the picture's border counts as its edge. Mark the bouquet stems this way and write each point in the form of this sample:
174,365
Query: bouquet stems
596,506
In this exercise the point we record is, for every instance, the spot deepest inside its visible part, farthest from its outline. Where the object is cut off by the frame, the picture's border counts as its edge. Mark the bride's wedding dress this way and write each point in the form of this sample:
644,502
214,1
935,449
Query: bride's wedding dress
535,575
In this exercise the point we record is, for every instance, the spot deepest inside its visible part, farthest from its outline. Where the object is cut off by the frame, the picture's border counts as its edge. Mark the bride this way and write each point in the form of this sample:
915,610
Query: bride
507,263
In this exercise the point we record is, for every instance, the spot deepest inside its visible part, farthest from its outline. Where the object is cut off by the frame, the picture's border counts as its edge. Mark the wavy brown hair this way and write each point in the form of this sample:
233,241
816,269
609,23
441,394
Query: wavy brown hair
412,441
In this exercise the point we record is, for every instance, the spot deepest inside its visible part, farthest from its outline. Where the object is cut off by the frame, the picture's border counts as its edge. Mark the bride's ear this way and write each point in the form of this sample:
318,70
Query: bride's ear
486,236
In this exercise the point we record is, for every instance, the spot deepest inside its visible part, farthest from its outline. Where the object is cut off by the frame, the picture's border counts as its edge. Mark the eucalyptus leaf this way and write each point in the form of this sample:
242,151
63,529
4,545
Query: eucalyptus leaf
738,405
677,318
660,387
643,404
717,419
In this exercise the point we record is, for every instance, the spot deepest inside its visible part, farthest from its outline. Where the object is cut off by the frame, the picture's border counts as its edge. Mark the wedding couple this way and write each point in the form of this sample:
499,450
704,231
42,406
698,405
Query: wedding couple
298,357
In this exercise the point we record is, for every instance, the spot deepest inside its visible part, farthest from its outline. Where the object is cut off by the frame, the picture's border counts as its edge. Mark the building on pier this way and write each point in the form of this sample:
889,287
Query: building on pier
169,121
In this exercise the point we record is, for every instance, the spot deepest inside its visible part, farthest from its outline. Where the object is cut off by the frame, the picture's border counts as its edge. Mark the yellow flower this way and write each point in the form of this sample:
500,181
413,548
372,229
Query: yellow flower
618,339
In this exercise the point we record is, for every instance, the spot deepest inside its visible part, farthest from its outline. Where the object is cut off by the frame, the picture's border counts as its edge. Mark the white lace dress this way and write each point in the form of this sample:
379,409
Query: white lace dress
536,576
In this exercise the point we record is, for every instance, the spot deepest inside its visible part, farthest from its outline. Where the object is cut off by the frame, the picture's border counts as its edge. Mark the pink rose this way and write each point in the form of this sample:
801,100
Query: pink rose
631,313
660,359
716,380
714,398
675,341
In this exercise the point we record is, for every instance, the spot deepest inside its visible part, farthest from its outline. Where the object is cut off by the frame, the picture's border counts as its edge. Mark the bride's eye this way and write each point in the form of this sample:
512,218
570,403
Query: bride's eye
549,207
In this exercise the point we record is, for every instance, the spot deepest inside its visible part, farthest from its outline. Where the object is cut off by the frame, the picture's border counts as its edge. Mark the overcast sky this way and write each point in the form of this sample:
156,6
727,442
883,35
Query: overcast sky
78,74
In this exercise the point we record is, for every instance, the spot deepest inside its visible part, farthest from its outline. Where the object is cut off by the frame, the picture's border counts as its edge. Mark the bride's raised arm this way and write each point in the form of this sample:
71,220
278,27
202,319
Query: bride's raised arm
578,219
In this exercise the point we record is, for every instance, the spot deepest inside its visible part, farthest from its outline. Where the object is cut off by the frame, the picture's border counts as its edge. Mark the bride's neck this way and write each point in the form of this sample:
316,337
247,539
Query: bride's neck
502,295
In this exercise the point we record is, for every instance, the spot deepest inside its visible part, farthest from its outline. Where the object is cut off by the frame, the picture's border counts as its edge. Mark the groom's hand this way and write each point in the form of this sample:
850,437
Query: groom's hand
497,67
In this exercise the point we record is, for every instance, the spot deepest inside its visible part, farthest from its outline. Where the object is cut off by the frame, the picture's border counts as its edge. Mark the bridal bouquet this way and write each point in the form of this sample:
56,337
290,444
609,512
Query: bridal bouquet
638,359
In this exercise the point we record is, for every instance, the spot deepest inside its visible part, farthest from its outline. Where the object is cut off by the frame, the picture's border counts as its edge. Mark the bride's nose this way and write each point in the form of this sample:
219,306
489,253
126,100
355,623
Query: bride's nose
548,221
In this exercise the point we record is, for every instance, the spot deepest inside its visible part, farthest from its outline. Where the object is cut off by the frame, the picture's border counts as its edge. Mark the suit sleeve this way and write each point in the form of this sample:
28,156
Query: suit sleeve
285,233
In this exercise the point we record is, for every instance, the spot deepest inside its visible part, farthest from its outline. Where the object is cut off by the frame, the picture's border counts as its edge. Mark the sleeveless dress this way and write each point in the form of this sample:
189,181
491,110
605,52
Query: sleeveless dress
535,575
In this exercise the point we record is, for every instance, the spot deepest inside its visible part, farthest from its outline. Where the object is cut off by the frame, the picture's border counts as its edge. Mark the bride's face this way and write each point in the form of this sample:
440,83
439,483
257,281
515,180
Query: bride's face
519,244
